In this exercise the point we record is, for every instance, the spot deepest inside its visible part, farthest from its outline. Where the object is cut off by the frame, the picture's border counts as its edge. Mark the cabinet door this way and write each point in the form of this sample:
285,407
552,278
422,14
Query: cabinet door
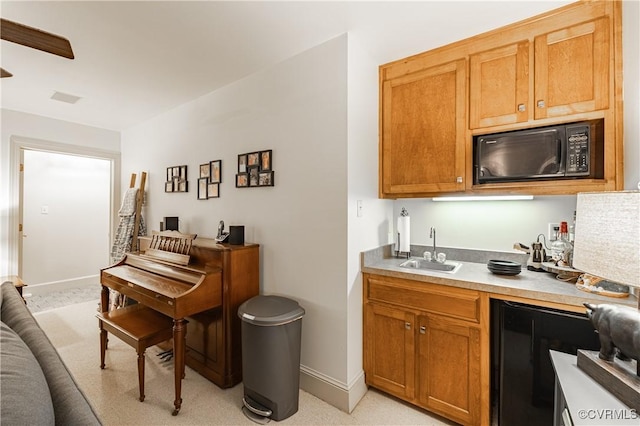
449,368
423,122
499,86
572,70
390,350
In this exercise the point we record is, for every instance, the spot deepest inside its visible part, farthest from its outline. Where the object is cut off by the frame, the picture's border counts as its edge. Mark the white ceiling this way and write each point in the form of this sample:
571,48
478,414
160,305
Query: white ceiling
135,60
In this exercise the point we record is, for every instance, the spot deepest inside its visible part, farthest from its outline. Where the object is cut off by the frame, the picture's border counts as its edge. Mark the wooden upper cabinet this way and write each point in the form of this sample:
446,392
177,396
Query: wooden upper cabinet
423,123
559,67
499,86
572,70
571,76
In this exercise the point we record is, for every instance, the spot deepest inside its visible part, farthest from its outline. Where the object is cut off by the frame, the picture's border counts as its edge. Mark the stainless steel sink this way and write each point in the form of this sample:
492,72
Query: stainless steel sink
448,266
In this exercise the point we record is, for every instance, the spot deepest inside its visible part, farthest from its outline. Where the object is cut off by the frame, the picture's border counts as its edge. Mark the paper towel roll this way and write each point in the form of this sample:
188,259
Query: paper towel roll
404,229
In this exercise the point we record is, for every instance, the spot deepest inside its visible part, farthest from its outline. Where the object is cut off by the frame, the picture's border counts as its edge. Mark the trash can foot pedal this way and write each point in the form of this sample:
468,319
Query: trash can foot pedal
256,409
255,417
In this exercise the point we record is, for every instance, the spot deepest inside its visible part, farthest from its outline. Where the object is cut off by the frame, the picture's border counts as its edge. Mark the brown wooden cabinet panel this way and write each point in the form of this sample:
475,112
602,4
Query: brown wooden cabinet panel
449,368
389,350
426,357
423,121
453,302
572,69
499,86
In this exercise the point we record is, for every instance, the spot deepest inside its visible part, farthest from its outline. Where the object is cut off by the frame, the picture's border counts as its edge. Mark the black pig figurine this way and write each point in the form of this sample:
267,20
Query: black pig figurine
618,327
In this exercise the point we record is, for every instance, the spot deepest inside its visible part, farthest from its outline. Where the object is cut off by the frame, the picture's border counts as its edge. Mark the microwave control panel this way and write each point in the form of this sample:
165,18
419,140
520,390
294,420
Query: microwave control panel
578,150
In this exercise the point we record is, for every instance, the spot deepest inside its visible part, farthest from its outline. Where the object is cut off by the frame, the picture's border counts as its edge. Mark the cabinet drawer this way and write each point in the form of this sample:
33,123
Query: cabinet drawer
454,302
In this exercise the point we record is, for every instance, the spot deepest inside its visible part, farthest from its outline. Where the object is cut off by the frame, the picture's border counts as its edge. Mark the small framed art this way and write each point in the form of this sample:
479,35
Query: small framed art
205,170
242,180
215,171
253,159
242,163
265,179
202,188
213,190
265,161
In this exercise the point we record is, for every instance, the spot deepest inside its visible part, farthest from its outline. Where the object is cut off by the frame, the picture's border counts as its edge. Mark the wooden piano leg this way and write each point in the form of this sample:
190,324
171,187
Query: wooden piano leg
103,344
141,374
179,337
104,299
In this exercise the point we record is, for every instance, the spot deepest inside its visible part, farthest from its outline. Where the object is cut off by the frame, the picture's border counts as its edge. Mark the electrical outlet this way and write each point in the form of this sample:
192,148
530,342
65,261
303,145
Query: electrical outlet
551,234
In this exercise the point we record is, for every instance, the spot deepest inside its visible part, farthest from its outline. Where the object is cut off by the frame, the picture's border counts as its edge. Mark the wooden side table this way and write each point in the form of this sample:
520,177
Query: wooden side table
17,282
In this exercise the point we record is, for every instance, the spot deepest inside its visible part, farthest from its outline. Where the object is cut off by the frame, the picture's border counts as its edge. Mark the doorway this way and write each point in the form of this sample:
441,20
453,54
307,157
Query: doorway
65,197
65,218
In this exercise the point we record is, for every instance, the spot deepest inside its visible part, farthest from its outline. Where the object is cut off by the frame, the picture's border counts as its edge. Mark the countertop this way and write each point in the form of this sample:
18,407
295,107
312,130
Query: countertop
537,286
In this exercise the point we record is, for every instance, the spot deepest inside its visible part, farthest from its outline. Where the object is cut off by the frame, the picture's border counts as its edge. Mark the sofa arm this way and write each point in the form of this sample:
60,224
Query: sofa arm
70,405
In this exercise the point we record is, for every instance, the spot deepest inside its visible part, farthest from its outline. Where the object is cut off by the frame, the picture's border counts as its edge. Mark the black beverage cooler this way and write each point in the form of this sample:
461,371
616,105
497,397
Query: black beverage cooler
523,379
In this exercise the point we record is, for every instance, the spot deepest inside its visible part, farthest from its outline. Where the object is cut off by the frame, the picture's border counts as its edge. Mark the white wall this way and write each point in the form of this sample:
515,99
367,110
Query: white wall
21,129
371,227
298,109
74,191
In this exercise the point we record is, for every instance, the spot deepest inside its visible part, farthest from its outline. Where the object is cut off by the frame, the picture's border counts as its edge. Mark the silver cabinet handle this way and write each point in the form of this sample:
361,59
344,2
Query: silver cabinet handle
459,179
522,108
540,104
423,329
407,325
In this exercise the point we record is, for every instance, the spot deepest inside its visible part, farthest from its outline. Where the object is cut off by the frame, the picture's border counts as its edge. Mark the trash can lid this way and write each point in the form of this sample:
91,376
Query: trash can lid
270,310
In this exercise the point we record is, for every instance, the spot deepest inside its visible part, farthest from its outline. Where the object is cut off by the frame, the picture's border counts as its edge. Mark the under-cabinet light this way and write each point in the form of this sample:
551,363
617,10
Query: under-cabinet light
485,198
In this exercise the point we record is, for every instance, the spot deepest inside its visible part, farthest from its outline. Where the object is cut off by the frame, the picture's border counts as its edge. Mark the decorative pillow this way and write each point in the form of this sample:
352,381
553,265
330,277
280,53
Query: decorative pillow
24,393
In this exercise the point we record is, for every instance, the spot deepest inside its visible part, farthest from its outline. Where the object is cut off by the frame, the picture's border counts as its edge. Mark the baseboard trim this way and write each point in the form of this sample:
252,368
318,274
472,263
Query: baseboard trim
56,286
345,397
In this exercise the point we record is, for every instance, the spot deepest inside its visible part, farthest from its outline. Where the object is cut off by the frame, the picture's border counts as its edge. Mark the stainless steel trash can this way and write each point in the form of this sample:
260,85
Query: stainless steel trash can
271,331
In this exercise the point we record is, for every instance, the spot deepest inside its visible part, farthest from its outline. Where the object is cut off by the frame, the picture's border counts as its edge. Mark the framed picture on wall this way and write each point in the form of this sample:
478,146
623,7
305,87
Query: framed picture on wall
265,160
253,176
253,159
205,170
242,163
242,180
216,171
265,179
202,188
213,190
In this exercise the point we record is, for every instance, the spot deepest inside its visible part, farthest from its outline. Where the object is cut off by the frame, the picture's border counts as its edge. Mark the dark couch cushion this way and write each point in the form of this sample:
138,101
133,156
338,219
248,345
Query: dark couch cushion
70,405
23,388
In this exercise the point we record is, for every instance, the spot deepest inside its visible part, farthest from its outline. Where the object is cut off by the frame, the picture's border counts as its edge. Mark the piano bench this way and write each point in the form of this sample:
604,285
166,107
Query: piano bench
139,327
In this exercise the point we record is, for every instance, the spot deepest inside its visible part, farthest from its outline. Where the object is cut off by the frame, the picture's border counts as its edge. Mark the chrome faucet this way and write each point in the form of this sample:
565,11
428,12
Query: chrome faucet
432,234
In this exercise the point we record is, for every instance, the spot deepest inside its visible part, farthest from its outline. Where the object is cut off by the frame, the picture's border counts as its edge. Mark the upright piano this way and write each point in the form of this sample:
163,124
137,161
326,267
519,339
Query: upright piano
206,293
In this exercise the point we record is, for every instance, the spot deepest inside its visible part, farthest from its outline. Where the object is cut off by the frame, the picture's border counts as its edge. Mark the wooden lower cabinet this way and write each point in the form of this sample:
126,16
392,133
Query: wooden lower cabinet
431,358
449,368
389,350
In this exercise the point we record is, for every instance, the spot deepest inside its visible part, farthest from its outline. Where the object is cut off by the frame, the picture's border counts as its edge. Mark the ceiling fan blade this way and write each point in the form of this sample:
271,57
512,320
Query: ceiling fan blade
35,38
4,73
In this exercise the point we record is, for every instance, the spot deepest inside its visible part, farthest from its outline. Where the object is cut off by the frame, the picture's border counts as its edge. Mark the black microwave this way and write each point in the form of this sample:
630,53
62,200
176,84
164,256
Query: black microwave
567,151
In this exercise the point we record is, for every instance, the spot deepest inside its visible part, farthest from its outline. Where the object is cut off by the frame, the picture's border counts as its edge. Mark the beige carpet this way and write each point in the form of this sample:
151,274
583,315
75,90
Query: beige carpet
114,391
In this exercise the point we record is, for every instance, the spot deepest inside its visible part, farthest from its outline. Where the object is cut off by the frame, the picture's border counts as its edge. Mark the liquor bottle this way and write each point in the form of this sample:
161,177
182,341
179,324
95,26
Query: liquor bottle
561,248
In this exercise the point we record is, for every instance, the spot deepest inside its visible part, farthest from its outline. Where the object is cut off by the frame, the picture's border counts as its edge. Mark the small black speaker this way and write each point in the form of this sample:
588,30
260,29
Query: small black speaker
236,235
171,223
